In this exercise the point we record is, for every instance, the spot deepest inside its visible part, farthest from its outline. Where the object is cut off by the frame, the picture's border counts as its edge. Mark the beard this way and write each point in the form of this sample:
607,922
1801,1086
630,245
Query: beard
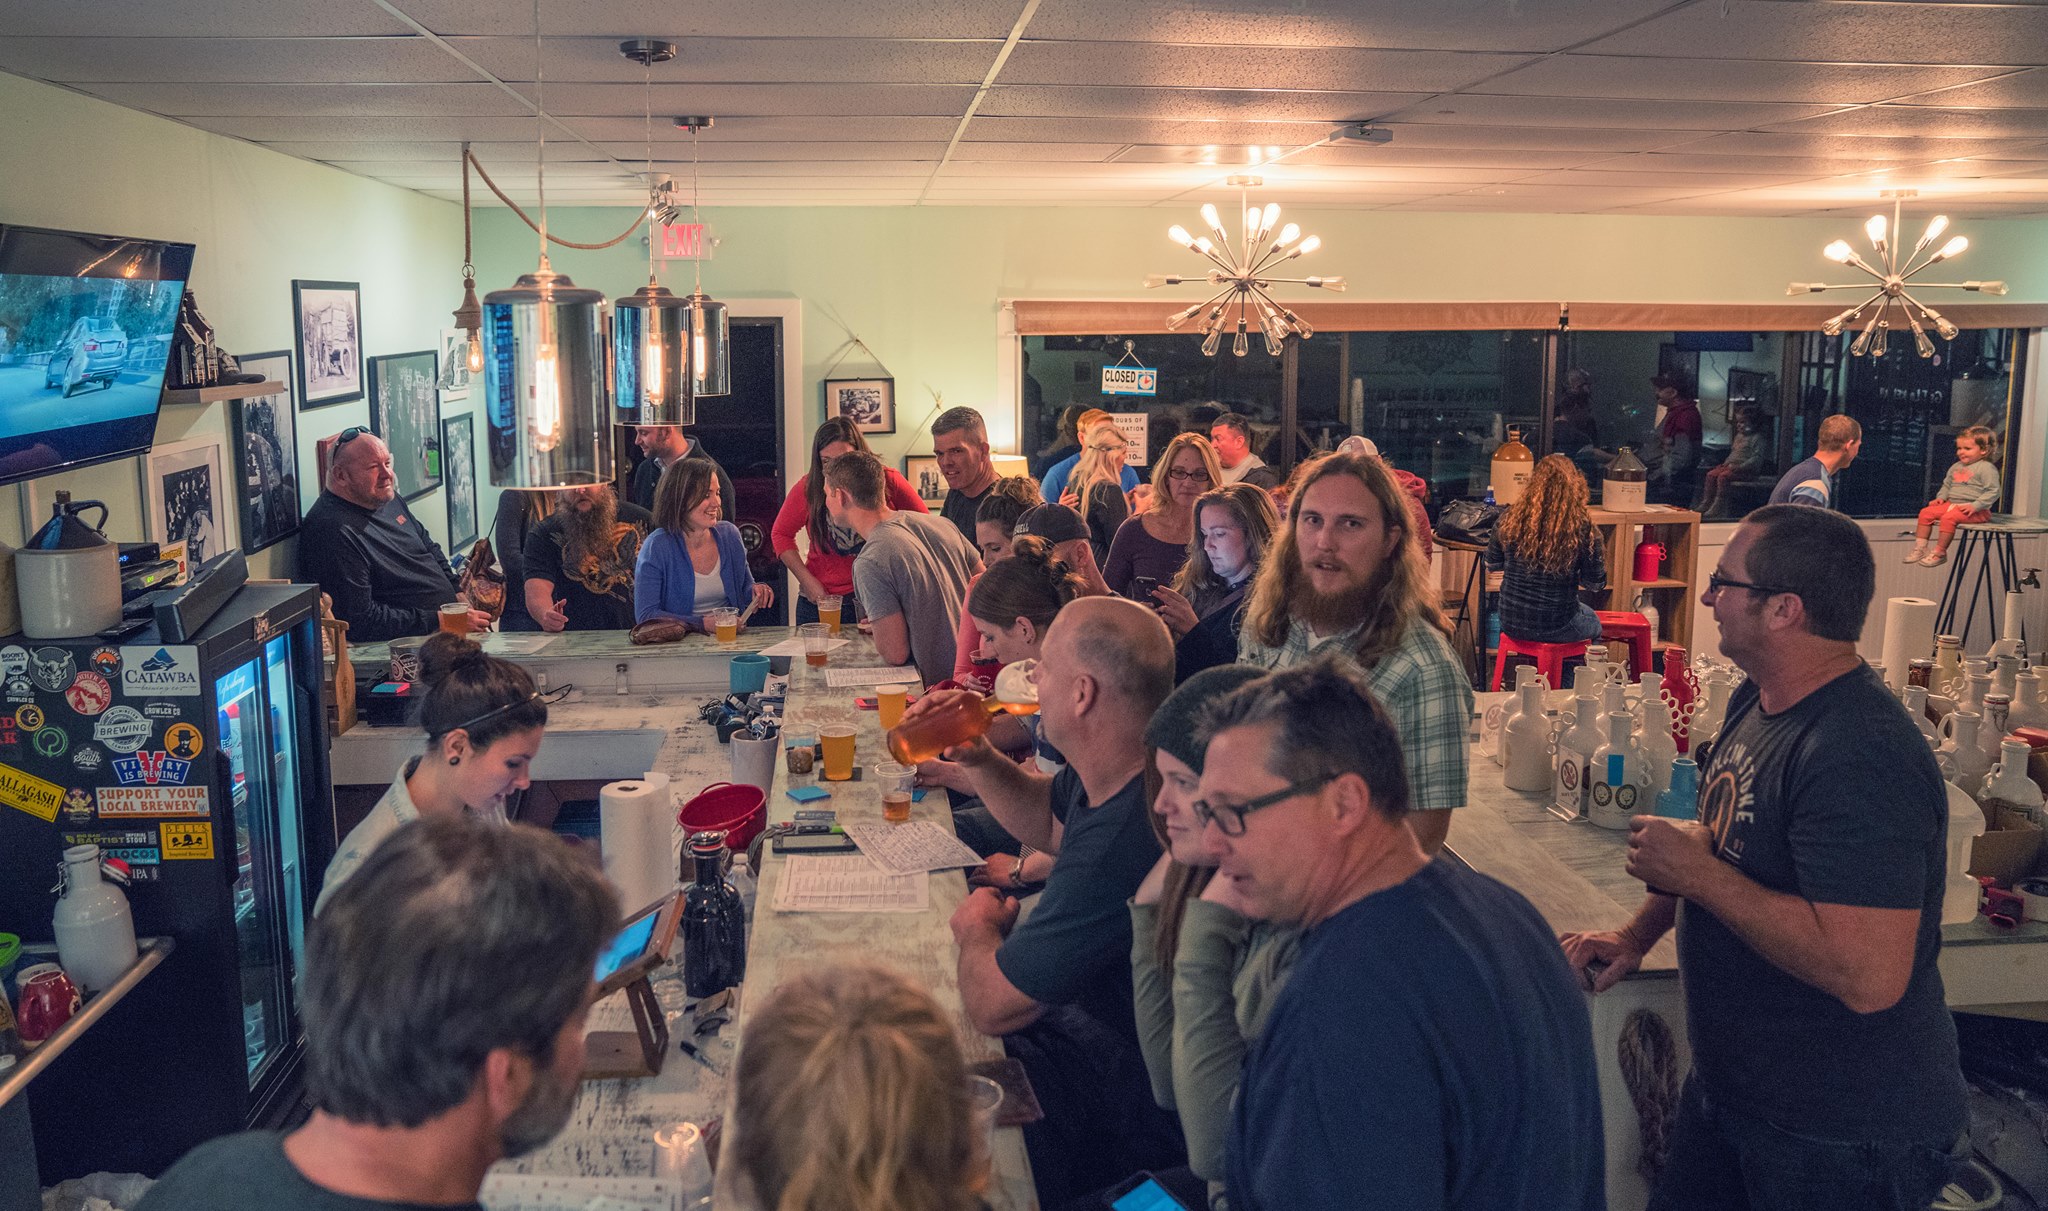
587,533
1338,609
540,1117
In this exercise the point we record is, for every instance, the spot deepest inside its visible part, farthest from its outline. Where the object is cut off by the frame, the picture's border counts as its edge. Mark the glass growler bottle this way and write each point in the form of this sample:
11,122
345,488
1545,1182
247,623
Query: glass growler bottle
714,922
958,720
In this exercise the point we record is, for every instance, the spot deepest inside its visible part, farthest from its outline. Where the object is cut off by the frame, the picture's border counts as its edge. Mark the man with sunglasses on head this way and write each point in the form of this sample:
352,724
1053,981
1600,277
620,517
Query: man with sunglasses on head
1808,903
1431,1048
369,552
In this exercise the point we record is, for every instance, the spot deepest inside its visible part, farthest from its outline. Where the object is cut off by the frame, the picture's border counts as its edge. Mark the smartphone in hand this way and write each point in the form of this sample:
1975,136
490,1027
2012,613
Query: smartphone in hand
1141,590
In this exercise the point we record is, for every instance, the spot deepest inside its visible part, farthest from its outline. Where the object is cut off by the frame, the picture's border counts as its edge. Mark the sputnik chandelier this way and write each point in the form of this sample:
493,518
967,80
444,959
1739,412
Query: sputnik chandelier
1243,273
1892,278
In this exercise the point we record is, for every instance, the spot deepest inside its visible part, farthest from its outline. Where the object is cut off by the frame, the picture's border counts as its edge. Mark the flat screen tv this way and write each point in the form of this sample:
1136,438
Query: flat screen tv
85,335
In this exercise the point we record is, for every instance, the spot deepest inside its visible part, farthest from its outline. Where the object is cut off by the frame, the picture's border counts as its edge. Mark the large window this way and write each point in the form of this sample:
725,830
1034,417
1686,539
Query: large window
1437,403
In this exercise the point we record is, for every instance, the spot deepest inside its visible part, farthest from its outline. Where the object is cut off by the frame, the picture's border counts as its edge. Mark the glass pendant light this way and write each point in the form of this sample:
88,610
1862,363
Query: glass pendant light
544,367
650,380
710,364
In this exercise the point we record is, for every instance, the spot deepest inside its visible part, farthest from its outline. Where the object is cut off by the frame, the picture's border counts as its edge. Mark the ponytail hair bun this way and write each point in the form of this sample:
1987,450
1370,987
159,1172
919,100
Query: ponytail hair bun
471,689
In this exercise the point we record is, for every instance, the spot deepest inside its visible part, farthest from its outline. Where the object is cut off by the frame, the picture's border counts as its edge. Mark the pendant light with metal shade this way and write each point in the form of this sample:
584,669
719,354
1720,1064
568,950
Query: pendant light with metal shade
544,363
650,358
710,344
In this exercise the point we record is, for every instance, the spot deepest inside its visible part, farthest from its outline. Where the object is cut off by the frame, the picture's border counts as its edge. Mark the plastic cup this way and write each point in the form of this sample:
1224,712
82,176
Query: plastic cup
680,1157
778,666
455,618
889,703
896,782
748,673
816,637
828,613
725,624
984,1100
838,741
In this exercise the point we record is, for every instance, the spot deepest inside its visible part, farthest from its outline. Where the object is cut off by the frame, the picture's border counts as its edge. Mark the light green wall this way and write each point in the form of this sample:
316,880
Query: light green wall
259,219
920,285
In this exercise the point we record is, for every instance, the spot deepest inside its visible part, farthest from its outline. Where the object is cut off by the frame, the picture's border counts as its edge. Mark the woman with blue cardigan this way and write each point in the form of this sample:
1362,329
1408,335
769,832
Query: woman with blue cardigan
693,562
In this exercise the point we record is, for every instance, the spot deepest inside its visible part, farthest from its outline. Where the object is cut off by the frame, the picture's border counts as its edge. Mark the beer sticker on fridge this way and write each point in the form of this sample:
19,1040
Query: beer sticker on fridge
122,729
90,693
24,791
13,660
151,769
52,668
187,840
127,802
171,671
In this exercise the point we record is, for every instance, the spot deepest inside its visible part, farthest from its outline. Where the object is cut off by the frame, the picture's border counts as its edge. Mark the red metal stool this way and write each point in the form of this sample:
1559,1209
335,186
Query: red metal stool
1549,657
1626,624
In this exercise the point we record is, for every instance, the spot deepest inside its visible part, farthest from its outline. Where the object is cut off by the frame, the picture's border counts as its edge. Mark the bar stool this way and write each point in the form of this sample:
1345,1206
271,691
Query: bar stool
1996,573
1549,657
1629,625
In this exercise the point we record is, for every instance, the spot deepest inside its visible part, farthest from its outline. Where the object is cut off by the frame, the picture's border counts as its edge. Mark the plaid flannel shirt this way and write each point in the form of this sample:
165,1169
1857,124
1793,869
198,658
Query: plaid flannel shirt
1421,685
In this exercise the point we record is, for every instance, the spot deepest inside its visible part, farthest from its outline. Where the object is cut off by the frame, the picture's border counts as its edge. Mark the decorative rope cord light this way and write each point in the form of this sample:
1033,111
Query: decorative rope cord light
544,359
470,315
1242,269
1893,273
650,380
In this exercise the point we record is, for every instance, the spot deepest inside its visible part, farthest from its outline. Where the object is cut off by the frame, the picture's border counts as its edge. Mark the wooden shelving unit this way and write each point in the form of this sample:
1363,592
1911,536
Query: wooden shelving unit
213,395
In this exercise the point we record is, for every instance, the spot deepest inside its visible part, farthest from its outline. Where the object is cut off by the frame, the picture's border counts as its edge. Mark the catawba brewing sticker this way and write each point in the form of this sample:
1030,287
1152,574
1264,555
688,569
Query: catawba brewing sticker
153,672
29,793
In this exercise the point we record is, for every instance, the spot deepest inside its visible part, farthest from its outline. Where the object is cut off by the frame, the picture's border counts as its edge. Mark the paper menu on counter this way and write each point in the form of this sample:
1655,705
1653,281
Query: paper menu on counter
847,883
548,1192
913,848
795,647
881,674
501,643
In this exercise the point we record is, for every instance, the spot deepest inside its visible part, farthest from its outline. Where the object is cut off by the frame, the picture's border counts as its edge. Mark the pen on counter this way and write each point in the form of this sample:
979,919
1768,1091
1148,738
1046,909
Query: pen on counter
690,1049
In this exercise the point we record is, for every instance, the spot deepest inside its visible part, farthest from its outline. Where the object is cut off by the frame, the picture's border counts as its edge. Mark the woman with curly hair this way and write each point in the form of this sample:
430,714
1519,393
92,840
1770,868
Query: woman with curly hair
1547,551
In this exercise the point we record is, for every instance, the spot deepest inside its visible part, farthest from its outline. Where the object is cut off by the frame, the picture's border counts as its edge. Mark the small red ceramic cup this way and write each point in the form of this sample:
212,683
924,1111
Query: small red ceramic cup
47,1001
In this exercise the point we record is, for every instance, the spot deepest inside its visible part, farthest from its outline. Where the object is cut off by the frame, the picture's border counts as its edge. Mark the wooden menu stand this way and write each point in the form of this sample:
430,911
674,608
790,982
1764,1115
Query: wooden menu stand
619,1054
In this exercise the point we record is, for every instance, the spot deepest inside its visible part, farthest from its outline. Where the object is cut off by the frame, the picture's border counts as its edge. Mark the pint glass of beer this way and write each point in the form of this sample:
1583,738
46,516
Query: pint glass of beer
838,742
828,613
455,618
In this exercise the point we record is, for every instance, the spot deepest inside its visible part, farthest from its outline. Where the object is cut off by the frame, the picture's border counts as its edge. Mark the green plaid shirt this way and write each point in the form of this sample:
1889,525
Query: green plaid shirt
1420,683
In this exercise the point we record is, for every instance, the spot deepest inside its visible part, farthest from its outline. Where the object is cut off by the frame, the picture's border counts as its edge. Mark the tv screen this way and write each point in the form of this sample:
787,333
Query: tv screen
85,335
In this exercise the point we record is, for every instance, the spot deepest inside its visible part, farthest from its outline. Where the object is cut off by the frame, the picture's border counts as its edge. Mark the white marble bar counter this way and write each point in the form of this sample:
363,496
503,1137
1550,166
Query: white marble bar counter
611,1133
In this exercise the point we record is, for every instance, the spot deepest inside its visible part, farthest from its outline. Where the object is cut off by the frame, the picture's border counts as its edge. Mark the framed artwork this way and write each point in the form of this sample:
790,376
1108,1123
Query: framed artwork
328,316
870,403
265,434
455,359
922,470
405,410
458,447
185,497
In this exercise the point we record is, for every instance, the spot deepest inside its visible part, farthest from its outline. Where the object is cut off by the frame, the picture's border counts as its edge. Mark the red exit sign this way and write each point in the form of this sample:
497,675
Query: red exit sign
685,242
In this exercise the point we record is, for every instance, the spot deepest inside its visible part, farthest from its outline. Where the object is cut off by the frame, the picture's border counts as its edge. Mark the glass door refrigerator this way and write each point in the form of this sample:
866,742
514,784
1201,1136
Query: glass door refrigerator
204,766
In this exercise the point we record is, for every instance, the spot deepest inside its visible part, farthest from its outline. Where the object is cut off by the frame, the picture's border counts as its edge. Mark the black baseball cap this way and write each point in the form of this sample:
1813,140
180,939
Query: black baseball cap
1054,523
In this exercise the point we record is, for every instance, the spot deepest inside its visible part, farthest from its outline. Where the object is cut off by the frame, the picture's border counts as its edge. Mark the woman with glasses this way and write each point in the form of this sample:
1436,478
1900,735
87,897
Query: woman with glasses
1204,607
1546,551
1203,976
1096,489
826,568
483,720
1154,545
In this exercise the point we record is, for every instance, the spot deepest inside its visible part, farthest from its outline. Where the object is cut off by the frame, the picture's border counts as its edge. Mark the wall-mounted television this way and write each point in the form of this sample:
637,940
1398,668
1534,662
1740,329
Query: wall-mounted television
85,335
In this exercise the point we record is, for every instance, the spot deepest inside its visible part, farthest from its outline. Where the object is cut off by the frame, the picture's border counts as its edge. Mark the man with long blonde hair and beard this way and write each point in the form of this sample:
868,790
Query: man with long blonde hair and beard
579,562
1346,572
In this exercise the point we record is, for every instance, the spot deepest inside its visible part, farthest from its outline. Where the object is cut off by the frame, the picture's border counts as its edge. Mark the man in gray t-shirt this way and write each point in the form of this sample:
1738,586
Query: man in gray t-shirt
912,571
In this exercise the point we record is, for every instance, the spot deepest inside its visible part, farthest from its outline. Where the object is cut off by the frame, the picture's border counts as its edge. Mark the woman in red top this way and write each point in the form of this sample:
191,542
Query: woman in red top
826,570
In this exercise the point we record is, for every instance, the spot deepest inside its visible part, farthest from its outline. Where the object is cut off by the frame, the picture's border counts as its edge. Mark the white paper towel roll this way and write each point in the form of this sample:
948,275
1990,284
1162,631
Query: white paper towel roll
637,820
1908,633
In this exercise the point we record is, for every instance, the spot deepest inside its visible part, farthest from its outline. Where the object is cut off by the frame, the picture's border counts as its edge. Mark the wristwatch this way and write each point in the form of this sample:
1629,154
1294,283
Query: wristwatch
1017,871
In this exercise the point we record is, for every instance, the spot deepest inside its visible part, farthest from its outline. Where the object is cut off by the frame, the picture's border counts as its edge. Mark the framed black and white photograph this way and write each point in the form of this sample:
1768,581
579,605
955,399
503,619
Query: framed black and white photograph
455,363
328,316
870,403
185,497
458,447
922,470
265,446
405,410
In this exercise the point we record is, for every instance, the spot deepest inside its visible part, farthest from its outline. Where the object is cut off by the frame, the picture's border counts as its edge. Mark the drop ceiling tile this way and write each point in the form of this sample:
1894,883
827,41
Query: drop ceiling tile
1468,109
1321,68
1693,182
808,60
367,129
776,170
312,100
1903,121
1114,101
765,100
1083,153
783,129
1393,155
1812,143
1838,32
1667,161
1146,130
1580,197
2027,89
435,151
214,19
756,18
1460,25
1688,79
1514,135
791,152
410,60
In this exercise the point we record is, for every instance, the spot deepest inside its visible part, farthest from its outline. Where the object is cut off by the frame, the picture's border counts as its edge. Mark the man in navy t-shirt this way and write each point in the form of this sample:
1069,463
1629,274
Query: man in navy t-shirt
1812,481
1431,1049
1824,1072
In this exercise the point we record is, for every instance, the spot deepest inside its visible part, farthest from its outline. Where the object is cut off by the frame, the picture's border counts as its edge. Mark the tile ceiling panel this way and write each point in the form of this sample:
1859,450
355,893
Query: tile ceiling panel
1323,69
1697,182
368,130
1902,121
2027,89
1790,143
395,149
1467,110
1462,25
313,100
1339,159
1663,161
755,18
1111,101
214,19
783,129
745,60
1840,32
1513,136
766,100
408,60
1081,153
1581,197
1726,80
1145,130
794,153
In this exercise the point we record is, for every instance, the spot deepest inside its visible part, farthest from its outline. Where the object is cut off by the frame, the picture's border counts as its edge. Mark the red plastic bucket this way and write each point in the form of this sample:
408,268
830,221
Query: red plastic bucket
739,810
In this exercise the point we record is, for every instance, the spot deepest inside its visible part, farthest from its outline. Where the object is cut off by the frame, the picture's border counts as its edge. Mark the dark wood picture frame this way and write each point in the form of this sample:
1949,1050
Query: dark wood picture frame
263,456
396,380
458,476
327,323
869,402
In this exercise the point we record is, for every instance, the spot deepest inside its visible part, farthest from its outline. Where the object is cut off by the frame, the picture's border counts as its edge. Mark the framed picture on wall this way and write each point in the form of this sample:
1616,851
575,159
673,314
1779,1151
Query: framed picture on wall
870,403
328,316
405,410
922,470
265,447
185,497
455,362
458,449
